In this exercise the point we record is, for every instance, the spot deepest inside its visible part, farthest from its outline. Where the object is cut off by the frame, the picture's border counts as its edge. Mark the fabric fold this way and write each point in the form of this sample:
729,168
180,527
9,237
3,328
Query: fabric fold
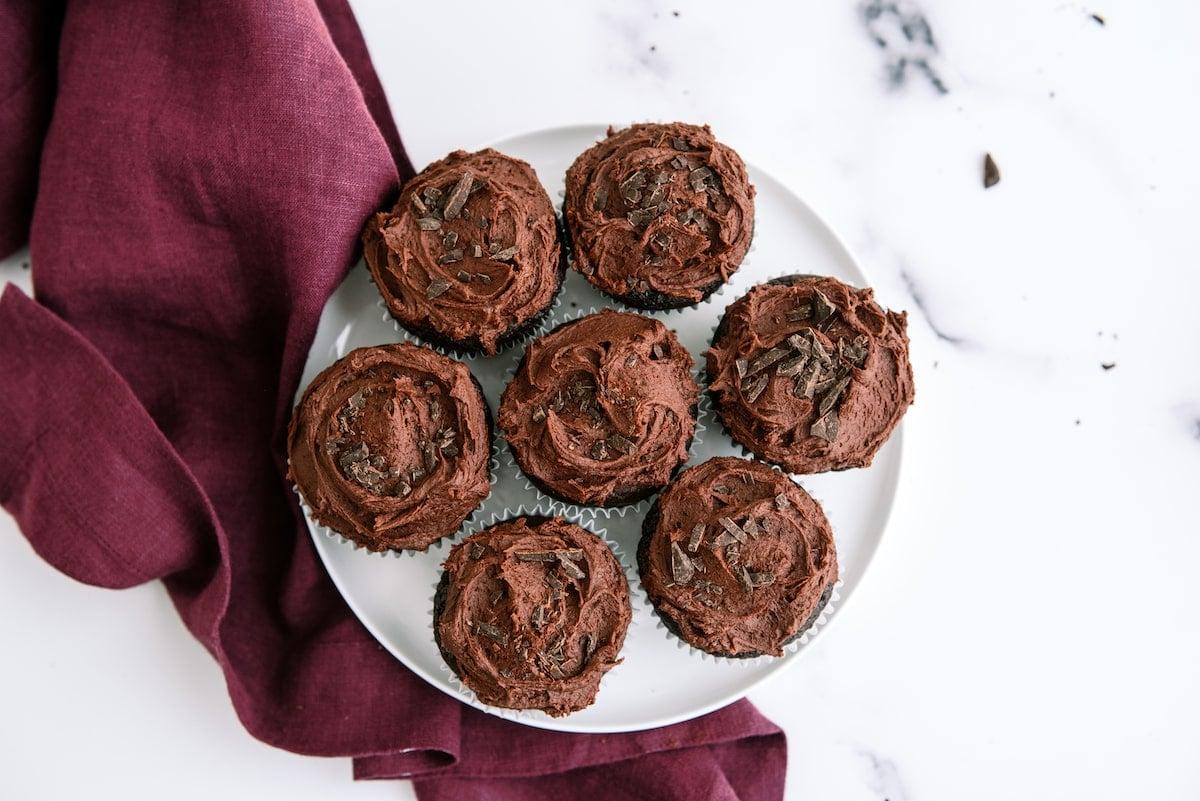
201,184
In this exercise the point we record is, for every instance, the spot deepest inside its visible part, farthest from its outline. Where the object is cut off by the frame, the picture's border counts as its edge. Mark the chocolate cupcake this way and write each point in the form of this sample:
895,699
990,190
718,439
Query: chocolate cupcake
531,613
659,216
602,409
737,559
810,373
390,446
468,258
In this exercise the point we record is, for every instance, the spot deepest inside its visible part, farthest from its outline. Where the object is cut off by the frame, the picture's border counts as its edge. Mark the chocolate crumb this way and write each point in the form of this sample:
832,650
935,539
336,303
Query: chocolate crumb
991,172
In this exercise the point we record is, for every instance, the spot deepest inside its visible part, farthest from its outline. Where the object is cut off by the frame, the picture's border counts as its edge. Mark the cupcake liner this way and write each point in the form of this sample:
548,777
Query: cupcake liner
553,509
823,617
638,507
329,533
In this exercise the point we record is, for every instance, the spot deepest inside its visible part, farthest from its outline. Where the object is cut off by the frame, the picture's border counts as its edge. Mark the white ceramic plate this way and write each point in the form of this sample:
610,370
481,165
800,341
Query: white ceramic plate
660,681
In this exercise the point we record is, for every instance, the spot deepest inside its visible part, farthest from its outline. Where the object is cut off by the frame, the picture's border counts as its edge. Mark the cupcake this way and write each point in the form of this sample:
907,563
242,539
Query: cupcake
390,446
659,216
531,613
737,559
468,258
810,373
601,410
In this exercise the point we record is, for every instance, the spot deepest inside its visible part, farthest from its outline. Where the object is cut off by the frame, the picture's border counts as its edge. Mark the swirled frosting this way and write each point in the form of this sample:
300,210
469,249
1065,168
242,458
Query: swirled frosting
659,215
602,409
531,613
469,255
810,373
737,558
390,446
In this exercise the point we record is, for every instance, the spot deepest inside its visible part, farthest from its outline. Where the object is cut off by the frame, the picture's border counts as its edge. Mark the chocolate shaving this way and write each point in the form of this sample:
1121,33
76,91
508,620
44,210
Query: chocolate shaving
458,196
436,288
450,239
792,366
464,276
802,342
539,414
476,251
506,254
682,569
451,256
491,632
991,172
822,308
826,427
477,550
620,443
679,143
698,178
696,537
766,360
549,556
760,579
734,530
755,388
599,450
419,205
741,365
538,618
830,399
429,223
799,313
601,199
403,489
782,502
587,644
570,568
751,528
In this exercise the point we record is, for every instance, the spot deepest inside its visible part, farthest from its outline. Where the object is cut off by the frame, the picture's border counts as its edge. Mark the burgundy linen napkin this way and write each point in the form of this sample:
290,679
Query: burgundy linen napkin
201,173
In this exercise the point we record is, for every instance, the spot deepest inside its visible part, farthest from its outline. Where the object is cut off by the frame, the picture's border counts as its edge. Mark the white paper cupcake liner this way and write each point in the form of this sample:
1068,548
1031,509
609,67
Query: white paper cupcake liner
638,508
553,509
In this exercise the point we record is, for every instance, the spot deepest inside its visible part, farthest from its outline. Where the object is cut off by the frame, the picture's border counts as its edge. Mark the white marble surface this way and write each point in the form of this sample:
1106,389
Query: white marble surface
1030,627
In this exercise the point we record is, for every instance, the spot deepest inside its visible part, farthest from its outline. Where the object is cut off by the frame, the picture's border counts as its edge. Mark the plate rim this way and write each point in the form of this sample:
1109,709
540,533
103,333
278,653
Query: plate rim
321,541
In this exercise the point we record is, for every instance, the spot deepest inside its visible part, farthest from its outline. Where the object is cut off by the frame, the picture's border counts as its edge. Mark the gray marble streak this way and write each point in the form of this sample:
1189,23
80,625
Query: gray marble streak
902,32
883,777
922,307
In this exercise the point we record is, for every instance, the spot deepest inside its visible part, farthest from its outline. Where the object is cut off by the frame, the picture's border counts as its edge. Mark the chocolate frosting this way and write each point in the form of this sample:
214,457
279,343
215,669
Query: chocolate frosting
390,446
804,415
470,251
531,613
723,595
602,409
664,209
